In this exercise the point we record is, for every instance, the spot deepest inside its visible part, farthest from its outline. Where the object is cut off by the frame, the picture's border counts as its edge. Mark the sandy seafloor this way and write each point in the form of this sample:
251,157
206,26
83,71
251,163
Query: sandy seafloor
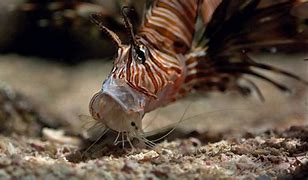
222,136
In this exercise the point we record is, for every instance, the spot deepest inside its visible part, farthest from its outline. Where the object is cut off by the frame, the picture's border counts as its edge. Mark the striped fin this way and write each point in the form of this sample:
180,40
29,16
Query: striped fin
223,73
237,27
170,25
254,25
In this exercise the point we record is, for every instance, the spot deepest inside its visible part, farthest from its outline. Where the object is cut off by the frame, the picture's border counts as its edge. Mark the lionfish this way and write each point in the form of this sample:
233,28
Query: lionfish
165,61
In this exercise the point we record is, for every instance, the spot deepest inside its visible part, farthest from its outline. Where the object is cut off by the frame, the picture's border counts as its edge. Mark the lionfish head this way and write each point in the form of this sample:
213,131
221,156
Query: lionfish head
121,103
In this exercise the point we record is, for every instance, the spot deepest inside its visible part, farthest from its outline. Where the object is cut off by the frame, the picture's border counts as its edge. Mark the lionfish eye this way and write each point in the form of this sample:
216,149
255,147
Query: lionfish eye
140,54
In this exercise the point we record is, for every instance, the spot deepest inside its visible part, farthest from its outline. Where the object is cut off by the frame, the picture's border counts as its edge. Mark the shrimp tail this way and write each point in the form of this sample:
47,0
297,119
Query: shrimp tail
221,58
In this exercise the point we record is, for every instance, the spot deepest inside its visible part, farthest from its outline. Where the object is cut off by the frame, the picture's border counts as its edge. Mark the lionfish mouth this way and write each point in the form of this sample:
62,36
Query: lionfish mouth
118,106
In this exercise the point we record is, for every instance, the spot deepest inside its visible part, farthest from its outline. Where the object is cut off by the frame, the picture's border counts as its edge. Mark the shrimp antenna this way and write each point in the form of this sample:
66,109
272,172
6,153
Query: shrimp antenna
177,124
129,25
173,127
95,142
97,19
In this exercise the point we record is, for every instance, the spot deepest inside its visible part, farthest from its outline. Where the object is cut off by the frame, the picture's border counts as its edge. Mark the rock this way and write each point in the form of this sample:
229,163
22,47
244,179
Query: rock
18,115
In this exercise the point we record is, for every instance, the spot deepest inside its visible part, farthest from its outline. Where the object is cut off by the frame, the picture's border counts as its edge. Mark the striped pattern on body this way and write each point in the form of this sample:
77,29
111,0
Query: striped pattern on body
164,36
150,77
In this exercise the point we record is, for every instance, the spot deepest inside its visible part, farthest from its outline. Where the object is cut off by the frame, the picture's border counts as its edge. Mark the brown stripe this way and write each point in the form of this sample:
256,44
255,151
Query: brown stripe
163,31
129,62
173,23
150,74
177,70
158,64
160,76
191,60
136,79
160,57
166,70
181,16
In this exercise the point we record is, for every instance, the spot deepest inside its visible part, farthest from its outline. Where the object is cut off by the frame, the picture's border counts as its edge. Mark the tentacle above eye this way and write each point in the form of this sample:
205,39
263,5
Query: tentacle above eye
96,18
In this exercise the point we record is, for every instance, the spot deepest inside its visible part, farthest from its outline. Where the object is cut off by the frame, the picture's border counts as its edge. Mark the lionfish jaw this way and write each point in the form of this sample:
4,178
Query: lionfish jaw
118,106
